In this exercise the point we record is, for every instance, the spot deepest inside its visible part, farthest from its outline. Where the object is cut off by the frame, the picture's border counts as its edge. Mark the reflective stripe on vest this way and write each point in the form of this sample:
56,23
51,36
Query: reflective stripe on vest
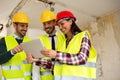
13,79
17,66
47,75
88,64
11,67
27,73
86,71
70,78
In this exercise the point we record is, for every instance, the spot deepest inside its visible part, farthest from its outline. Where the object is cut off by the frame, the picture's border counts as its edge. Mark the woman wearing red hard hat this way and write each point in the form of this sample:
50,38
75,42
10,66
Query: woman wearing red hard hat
76,58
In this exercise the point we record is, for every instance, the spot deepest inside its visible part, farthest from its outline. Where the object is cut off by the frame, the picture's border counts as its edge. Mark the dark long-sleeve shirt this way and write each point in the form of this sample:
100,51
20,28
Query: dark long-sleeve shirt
67,58
5,55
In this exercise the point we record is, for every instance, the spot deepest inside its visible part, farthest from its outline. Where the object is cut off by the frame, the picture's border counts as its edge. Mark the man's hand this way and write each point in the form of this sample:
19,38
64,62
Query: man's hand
17,49
30,58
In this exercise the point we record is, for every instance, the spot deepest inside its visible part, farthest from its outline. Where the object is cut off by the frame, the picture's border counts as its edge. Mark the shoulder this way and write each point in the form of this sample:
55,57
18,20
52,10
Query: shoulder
1,37
42,36
85,33
27,37
2,40
60,35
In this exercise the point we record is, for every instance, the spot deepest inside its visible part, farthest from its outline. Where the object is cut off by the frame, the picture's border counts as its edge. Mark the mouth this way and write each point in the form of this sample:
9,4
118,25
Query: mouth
23,32
63,30
47,29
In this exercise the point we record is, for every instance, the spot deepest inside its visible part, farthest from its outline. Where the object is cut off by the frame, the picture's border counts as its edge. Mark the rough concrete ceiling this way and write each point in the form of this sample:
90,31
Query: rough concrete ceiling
84,10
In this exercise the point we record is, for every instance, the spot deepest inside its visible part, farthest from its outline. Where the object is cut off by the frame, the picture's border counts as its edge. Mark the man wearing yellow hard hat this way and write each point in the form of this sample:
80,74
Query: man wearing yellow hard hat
50,40
12,57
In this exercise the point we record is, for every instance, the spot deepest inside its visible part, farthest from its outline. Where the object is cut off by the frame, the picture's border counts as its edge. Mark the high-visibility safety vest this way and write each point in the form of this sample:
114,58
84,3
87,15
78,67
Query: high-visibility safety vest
17,68
76,72
0,73
44,74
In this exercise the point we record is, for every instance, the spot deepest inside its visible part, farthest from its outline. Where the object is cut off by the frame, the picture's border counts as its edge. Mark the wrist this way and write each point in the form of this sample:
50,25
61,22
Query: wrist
12,52
35,60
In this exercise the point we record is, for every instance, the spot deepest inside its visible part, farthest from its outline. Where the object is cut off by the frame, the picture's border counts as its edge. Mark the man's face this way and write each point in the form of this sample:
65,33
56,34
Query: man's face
49,26
21,29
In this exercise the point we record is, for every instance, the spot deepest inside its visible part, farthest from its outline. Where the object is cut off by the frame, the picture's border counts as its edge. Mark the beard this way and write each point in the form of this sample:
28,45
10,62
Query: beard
21,33
49,30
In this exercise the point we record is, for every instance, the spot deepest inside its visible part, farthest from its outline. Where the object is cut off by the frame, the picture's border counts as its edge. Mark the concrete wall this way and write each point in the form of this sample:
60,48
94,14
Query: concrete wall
108,54
106,40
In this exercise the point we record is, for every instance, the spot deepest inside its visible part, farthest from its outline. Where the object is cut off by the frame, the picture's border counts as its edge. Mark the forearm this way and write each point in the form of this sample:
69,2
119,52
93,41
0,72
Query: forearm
78,58
5,57
72,59
46,64
4,54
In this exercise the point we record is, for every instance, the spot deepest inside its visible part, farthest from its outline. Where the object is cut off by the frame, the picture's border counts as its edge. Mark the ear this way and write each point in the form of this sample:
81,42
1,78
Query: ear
71,21
54,21
14,25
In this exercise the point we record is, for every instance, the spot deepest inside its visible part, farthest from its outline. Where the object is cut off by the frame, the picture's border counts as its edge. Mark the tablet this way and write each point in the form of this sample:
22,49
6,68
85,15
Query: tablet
34,47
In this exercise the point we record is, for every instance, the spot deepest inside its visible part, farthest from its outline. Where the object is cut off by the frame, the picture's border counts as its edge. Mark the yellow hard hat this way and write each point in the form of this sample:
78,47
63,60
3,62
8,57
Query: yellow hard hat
47,15
20,17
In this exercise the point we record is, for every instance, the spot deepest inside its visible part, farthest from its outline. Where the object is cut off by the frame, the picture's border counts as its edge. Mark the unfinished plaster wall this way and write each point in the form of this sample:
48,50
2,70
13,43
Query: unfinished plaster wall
108,53
106,40
117,28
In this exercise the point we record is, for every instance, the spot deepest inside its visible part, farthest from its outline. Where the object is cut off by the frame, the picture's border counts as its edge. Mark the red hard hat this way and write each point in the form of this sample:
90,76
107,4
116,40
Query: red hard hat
65,14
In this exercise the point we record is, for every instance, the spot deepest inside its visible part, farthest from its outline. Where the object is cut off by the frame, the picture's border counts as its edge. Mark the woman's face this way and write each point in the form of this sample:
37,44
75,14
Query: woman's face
65,26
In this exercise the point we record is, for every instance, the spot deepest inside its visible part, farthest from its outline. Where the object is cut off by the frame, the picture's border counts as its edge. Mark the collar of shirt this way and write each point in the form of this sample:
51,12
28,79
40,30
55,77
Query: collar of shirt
55,38
52,35
55,34
17,37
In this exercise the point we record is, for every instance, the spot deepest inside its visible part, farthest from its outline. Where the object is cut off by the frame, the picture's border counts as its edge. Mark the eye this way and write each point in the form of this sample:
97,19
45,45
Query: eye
61,24
23,25
48,22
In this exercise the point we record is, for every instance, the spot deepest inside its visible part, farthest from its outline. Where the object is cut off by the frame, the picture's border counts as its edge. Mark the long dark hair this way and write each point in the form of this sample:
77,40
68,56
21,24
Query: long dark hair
74,28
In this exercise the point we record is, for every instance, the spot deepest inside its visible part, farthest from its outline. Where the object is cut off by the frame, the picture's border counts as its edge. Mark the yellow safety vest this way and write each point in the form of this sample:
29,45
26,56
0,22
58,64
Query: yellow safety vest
0,73
76,72
47,75
17,68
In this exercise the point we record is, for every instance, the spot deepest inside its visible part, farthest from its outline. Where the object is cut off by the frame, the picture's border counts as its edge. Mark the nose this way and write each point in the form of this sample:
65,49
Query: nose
46,25
25,27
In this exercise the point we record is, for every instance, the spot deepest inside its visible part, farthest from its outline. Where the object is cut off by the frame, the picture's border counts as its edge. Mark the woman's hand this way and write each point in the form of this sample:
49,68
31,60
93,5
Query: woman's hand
30,58
49,53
